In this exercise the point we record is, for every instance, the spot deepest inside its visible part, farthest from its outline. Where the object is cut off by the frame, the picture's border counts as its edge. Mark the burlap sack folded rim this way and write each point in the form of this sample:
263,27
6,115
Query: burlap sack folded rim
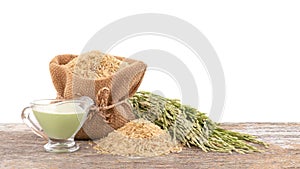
61,60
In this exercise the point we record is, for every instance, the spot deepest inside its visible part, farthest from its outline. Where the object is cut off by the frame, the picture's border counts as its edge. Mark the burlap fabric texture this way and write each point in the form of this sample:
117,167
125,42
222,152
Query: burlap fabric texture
111,110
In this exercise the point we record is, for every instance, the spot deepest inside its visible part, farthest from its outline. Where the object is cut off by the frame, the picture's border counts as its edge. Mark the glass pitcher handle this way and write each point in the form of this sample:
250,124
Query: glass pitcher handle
26,119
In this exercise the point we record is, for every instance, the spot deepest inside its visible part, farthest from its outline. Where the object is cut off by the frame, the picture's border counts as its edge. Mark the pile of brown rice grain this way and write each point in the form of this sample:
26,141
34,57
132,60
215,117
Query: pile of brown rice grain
95,65
138,138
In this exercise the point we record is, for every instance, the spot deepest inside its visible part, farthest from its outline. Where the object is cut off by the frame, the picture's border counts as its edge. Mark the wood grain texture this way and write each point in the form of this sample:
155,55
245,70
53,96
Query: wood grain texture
20,148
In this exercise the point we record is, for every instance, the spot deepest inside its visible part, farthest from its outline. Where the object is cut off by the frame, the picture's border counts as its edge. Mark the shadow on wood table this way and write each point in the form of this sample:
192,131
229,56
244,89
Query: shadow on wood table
20,148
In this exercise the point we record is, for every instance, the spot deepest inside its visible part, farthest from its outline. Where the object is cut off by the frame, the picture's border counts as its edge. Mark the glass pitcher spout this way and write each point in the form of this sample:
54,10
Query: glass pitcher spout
88,101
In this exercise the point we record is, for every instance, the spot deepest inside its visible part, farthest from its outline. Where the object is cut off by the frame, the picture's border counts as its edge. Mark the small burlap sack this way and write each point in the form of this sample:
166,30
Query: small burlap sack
111,110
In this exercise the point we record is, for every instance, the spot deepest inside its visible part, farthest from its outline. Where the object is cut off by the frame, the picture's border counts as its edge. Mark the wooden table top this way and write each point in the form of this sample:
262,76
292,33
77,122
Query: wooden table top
20,148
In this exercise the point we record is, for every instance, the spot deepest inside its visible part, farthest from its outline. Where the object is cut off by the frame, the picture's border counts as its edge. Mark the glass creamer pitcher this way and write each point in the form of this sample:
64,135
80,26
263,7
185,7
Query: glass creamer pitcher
58,121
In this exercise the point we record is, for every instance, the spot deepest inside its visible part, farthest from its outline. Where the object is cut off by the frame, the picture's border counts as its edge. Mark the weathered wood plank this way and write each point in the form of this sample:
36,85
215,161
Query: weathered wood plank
20,148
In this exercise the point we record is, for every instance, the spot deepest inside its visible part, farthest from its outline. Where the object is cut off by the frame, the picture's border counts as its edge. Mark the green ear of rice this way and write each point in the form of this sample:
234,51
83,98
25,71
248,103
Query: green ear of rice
190,126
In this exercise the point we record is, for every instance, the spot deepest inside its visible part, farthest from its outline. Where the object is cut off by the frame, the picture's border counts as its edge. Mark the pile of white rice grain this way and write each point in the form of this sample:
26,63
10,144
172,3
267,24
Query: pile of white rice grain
95,65
138,138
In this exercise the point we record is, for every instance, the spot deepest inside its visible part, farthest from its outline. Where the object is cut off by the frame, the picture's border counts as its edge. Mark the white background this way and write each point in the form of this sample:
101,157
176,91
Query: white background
258,44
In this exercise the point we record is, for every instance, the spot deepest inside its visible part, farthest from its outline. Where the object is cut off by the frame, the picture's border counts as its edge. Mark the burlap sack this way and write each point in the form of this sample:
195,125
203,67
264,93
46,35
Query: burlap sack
111,109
